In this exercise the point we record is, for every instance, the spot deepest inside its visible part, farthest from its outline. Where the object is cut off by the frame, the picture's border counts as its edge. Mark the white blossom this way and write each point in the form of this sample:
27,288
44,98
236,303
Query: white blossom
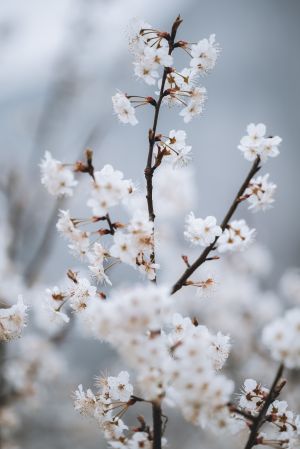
253,396
56,177
282,338
236,236
13,320
108,189
255,143
80,293
123,108
201,231
204,54
260,193
119,387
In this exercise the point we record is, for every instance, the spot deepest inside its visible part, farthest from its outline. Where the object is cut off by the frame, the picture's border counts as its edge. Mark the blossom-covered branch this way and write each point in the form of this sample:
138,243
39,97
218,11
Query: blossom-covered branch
204,255
275,389
149,170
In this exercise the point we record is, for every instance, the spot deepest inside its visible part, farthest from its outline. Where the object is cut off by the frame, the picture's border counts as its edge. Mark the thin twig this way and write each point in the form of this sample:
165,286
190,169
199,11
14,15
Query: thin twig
149,170
203,257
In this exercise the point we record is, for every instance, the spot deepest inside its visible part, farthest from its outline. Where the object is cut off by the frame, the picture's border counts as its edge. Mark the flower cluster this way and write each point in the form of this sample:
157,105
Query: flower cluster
282,338
108,189
284,429
13,320
174,358
173,146
153,49
150,49
77,296
107,405
35,363
198,390
256,144
281,427
135,246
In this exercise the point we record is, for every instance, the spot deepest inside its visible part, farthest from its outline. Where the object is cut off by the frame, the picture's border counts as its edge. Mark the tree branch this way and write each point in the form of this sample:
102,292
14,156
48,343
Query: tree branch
259,419
157,425
203,257
149,170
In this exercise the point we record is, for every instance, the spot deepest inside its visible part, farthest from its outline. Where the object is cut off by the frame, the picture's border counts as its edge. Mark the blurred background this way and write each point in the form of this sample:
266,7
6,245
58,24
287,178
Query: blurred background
61,63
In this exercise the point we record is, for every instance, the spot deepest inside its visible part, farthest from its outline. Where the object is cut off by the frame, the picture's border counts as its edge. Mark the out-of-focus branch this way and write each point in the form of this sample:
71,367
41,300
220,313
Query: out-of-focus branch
35,265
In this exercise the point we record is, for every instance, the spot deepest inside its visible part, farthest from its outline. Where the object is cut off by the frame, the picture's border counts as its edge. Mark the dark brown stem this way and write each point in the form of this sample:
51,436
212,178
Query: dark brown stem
157,425
149,170
260,418
234,409
109,222
203,257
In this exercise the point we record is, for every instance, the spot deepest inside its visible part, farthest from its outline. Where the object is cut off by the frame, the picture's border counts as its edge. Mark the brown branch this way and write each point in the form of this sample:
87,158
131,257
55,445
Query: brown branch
149,170
203,257
110,224
234,409
157,425
260,418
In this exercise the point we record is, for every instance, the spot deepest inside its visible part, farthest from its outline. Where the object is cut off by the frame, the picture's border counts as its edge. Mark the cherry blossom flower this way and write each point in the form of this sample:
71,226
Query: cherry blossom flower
204,54
80,293
255,143
260,193
237,236
119,387
56,177
201,231
281,337
253,396
108,189
13,320
124,109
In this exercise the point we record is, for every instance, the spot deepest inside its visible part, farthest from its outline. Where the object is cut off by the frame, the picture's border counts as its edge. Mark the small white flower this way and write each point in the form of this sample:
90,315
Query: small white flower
119,387
191,110
237,236
124,109
256,144
65,224
108,189
282,338
80,293
260,193
13,320
253,396
85,402
56,177
123,248
204,54
140,440
146,70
